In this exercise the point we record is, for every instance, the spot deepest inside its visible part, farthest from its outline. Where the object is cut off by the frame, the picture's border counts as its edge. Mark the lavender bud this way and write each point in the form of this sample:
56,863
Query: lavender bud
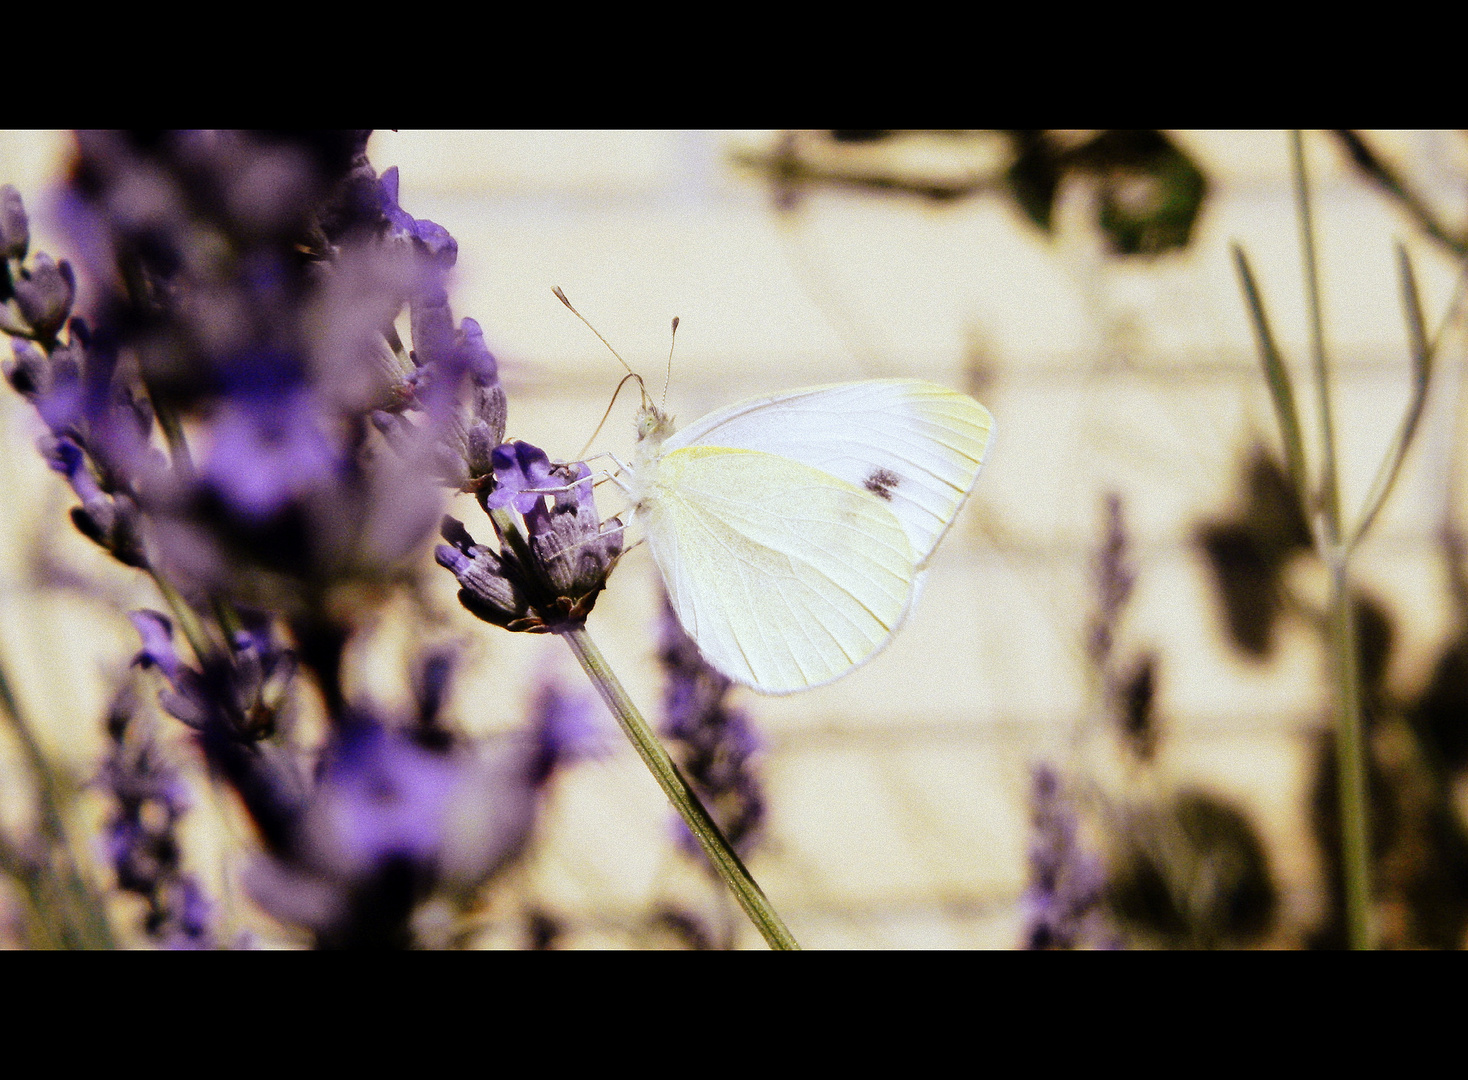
15,230
491,411
28,374
478,358
486,587
575,551
141,833
1063,901
45,293
479,448
433,327
434,240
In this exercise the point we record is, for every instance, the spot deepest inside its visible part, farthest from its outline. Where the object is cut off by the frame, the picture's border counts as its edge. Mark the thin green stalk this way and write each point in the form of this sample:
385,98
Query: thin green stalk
726,862
188,622
1329,488
1277,377
1422,355
84,922
1350,738
1350,753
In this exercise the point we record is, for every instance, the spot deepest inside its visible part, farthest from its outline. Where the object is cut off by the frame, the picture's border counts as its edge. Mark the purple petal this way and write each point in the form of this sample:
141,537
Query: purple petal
157,634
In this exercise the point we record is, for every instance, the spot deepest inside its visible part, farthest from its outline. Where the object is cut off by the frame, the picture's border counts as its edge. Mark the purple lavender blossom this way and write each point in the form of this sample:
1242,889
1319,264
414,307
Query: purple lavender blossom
570,552
277,353
141,838
244,689
716,741
396,817
1115,580
1063,902
522,475
241,291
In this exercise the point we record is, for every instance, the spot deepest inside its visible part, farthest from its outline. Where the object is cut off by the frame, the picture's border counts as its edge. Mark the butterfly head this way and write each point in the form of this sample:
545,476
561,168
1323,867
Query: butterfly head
653,425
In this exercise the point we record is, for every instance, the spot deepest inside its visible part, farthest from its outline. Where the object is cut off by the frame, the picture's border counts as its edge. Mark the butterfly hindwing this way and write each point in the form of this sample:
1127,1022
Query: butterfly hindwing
786,575
915,445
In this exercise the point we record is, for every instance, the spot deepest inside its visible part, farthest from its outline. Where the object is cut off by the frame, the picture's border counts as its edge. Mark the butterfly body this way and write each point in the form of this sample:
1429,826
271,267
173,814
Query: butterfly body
792,531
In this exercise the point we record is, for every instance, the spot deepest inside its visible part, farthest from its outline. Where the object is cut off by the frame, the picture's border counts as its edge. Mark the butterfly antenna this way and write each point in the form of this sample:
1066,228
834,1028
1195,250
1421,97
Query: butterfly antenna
561,296
594,434
669,377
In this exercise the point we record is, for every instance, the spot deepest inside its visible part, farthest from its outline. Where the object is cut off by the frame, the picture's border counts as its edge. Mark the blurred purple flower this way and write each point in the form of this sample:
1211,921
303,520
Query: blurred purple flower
1063,902
140,837
242,290
44,294
716,740
15,230
391,821
260,281
267,452
567,728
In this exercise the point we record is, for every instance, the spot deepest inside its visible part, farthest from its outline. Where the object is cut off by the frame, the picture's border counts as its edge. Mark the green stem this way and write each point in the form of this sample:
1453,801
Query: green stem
1350,751
1422,355
82,915
1329,488
725,861
1277,377
1350,738
188,622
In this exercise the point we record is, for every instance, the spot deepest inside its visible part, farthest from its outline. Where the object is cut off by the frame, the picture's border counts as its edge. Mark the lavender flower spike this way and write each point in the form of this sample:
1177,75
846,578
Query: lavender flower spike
141,840
1063,903
717,741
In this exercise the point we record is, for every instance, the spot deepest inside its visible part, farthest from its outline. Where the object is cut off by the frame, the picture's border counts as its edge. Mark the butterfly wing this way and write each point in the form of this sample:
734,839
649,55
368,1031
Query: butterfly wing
915,445
785,575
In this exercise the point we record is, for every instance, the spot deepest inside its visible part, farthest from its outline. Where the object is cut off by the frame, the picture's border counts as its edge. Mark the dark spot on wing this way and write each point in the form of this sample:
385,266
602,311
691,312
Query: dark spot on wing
881,483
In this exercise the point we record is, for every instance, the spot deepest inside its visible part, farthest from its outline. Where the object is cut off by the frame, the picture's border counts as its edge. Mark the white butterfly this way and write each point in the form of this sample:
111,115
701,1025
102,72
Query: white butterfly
793,531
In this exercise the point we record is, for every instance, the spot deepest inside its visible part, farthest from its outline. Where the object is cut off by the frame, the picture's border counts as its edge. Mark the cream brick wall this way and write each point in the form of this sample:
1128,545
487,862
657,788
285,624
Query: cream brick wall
897,795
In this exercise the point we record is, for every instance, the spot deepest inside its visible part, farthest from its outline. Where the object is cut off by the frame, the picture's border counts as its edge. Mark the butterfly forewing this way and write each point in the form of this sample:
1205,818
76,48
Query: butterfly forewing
914,445
786,575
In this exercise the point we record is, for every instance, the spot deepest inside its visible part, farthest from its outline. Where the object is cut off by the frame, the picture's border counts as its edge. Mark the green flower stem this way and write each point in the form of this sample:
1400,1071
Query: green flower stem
188,622
726,863
63,888
1350,752
1350,737
1277,378
1423,352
